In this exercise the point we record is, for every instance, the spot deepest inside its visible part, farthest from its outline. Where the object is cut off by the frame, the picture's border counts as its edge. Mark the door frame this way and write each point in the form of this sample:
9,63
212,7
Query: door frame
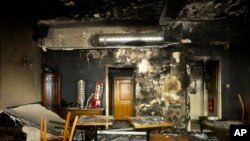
219,95
107,94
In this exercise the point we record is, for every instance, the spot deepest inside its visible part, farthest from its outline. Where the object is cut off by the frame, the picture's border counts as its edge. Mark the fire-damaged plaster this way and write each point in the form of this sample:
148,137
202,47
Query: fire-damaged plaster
159,90
160,82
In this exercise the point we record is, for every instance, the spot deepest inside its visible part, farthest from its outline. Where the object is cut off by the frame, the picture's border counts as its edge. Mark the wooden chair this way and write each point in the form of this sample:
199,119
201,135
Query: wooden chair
43,130
245,111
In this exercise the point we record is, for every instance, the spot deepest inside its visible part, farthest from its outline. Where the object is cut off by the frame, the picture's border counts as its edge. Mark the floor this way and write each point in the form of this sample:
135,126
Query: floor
194,135
195,127
120,125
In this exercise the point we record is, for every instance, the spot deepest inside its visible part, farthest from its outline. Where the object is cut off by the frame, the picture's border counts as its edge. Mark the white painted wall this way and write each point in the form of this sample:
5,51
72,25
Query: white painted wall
196,101
20,80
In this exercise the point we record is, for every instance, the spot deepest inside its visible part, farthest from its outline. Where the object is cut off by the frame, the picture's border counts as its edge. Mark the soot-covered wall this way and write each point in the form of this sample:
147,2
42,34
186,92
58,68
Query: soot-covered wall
234,72
160,86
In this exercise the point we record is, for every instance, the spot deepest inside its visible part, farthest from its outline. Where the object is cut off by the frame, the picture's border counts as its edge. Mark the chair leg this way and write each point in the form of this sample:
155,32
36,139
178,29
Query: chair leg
45,130
201,118
242,116
41,128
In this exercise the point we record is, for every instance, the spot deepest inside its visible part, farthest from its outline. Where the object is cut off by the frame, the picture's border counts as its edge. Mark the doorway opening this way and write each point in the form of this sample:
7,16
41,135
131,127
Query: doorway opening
204,90
120,91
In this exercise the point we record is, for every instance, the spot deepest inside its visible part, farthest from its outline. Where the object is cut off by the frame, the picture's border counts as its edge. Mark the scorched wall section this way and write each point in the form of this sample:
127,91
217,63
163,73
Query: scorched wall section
160,86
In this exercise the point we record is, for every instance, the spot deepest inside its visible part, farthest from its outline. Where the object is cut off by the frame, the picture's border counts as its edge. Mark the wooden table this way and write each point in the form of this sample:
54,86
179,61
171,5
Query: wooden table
147,123
76,111
94,121
219,126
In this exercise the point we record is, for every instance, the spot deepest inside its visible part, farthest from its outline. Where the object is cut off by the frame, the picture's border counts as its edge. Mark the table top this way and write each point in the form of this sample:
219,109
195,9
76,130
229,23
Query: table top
148,122
220,125
95,120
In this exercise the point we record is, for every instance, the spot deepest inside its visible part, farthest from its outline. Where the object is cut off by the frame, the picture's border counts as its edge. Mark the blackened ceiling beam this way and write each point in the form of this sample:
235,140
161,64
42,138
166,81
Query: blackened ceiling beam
174,32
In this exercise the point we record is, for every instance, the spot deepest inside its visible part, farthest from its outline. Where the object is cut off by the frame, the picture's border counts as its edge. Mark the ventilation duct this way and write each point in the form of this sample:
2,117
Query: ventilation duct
128,39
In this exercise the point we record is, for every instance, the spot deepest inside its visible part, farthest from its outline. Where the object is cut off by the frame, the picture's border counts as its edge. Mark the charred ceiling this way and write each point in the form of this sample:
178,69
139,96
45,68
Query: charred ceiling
87,9
195,20
129,9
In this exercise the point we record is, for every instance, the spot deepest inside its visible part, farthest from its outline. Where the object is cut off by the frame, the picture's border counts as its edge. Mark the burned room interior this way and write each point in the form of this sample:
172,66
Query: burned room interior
181,62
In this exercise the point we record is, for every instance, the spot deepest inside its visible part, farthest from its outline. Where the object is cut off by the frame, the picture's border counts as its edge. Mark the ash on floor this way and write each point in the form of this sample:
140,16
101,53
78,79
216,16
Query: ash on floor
121,138
121,125
117,125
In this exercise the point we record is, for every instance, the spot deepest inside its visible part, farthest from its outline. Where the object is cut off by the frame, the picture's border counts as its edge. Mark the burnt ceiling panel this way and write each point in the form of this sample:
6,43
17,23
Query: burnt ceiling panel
213,9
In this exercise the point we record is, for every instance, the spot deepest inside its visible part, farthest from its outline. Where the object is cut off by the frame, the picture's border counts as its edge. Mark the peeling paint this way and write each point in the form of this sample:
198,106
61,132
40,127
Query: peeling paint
186,41
188,69
157,87
171,86
144,66
176,56
184,25
136,54
97,54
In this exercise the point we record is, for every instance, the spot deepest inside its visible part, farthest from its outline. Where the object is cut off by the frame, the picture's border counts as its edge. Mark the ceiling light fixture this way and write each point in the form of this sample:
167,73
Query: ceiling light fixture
128,39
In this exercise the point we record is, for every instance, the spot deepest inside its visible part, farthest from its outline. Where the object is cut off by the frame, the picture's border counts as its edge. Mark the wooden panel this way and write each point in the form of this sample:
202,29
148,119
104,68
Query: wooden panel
148,122
90,112
51,91
125,91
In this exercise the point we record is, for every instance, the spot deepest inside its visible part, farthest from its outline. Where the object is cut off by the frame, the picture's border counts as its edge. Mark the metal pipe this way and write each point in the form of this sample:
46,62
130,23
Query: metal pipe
128,39
122,132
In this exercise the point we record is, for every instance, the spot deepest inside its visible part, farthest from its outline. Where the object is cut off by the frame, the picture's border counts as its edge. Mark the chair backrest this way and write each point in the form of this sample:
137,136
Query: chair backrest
242,107
71,135
241,101
66,127
43,129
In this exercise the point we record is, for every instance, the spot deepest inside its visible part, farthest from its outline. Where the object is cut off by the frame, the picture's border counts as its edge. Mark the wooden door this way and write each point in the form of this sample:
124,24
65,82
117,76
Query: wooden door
123,98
